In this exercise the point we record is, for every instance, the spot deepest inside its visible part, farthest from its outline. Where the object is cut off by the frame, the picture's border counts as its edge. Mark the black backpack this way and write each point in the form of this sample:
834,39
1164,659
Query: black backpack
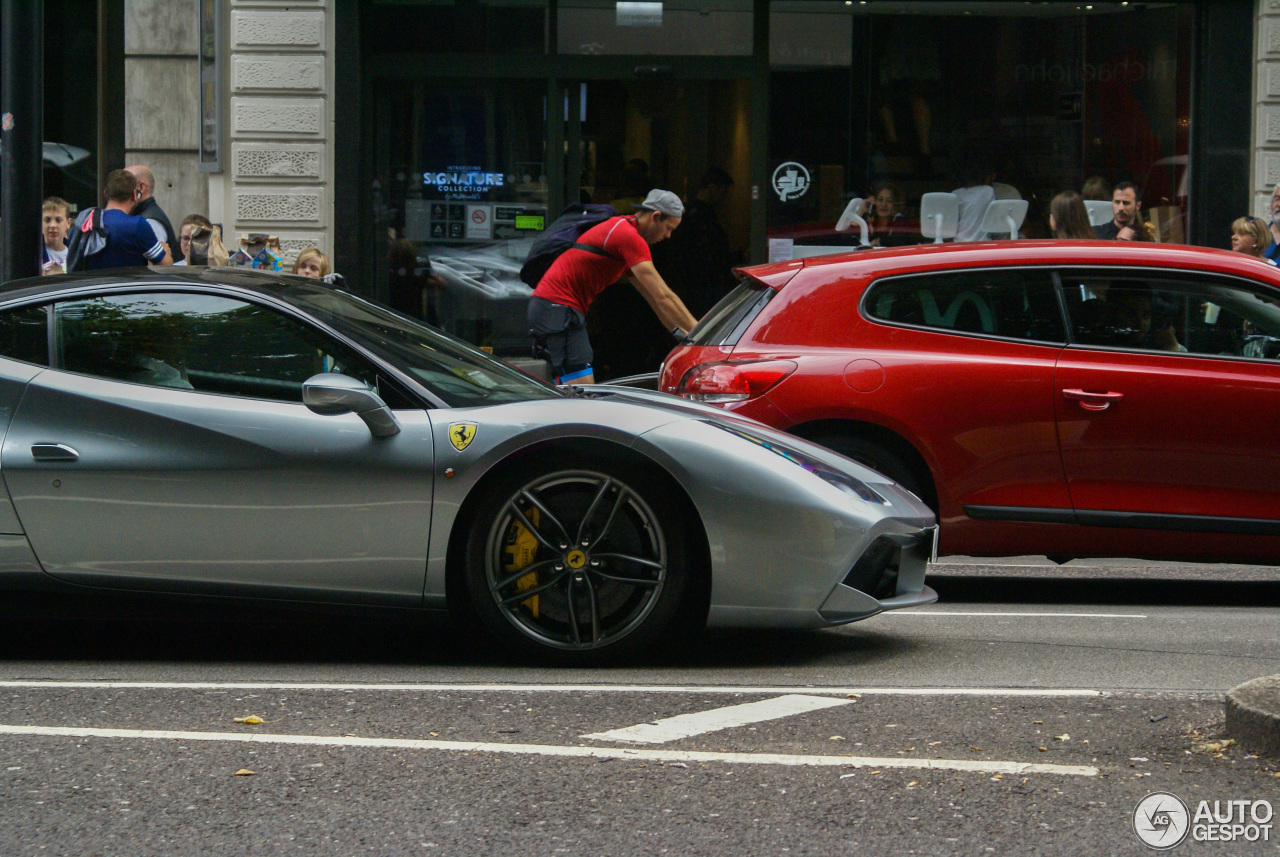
88,238
562,234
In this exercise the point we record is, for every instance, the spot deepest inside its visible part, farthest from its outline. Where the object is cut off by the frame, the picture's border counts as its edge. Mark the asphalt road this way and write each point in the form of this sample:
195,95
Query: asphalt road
1028,712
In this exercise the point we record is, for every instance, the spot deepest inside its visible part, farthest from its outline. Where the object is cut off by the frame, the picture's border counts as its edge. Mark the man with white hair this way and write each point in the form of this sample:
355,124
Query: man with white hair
150,209
1273,250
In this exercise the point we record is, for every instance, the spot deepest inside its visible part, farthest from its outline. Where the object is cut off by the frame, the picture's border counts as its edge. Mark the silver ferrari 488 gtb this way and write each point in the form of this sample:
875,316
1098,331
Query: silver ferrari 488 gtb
241,433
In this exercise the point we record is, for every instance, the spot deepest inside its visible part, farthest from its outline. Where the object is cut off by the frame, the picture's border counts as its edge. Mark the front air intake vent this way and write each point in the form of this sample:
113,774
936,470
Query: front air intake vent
876,572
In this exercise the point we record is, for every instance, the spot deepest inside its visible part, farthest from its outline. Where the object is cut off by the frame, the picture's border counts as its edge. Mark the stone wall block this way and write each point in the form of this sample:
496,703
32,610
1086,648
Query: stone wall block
277,30
181,188
292,161
160,104
297,74
290,205
277,117
161,27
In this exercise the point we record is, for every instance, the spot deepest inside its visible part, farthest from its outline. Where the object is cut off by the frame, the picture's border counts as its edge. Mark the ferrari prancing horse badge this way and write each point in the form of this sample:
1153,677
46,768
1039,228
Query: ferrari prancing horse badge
461,435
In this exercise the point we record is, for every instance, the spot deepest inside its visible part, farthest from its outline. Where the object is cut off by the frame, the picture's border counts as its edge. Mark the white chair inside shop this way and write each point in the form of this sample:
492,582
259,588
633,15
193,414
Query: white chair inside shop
1004,215
939,216
1099,211
853,216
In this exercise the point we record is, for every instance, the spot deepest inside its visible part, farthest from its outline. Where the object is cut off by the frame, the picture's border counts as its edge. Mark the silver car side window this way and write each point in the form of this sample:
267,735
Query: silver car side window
24,334
202,342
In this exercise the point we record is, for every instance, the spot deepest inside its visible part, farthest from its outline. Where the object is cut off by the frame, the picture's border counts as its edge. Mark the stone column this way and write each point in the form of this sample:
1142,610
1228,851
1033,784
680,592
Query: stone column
278,174
1266,117
161,124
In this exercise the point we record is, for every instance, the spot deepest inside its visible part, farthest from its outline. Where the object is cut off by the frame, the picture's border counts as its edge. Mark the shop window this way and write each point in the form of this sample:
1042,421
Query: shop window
466,194
1023,100
456,26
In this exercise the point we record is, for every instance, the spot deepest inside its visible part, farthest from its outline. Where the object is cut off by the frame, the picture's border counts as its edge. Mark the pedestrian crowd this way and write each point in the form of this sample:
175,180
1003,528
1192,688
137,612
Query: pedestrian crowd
131,229
674,252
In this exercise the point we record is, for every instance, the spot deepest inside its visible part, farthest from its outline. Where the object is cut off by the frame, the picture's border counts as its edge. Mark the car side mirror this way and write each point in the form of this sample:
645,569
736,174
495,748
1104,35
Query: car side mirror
330,394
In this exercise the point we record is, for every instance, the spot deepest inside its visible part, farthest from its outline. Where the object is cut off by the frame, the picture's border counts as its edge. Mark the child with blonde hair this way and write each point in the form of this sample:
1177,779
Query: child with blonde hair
312,263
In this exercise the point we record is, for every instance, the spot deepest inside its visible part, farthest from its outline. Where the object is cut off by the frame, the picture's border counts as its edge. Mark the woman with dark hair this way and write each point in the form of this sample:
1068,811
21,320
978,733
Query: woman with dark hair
1068,217
885,220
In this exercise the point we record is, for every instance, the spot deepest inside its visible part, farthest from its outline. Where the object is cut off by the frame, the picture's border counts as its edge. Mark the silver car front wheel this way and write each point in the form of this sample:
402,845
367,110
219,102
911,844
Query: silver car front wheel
584,561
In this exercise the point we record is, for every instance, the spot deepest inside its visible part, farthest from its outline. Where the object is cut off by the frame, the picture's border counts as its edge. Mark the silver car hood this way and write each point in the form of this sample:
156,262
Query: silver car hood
677,408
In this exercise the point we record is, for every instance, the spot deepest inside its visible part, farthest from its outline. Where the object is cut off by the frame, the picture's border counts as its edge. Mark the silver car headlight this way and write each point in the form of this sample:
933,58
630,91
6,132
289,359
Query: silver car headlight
842,482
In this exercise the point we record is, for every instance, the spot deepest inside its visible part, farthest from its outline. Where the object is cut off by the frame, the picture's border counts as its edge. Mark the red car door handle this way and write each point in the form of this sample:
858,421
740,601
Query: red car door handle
1092,401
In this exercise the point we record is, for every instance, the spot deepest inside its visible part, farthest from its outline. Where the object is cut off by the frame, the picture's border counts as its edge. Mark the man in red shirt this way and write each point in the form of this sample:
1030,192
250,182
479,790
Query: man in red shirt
558,308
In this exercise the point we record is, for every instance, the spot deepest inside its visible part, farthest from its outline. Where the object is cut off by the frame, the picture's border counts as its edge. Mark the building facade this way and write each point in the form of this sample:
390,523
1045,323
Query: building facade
398,136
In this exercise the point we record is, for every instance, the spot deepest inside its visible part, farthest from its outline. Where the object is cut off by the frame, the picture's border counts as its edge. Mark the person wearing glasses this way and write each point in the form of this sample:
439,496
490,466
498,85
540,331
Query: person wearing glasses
1250,236
190,223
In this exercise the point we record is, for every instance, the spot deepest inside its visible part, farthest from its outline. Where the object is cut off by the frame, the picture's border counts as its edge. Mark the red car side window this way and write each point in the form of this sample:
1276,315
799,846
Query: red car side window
1007,303
1180,313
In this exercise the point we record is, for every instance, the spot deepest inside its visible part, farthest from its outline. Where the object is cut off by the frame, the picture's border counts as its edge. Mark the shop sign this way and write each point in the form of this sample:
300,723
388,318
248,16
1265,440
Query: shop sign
479,223
463,182
790,181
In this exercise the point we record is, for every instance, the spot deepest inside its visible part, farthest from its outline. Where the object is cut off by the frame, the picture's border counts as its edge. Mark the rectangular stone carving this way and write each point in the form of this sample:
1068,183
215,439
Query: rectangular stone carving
160,103
1269,43
279,205
272,160
258,29
1269,127
251,72
293,243
1270,172
278,117
1268,81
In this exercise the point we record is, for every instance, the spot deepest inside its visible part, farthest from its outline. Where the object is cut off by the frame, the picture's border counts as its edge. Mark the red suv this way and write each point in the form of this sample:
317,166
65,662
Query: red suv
1044,397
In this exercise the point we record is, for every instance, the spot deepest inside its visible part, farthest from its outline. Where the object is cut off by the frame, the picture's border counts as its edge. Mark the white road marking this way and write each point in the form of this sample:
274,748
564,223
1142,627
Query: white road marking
994,767
563,688
699,723
894,613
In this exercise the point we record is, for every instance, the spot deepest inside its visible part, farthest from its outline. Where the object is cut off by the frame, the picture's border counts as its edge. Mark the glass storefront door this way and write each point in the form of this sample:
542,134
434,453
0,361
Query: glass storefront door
468,186
690,136
463,166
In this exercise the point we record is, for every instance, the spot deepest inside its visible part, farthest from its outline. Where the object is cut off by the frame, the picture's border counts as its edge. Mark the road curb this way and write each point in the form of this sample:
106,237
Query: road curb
1253,714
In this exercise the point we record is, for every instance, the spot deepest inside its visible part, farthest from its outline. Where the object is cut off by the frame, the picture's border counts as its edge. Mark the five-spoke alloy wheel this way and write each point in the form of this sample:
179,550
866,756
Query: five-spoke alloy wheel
583,560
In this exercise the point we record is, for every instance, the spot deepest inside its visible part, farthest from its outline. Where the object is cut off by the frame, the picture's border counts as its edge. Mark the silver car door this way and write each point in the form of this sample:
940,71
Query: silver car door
138,484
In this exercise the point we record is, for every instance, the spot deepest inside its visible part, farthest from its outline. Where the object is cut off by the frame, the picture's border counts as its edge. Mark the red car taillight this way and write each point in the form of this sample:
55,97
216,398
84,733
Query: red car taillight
732,382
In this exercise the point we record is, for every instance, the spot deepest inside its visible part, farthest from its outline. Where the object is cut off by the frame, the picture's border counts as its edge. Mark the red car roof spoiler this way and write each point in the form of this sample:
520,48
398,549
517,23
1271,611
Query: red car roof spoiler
774,276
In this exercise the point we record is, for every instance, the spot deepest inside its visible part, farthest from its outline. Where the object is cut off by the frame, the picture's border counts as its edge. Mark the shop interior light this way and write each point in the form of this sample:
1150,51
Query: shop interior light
638,13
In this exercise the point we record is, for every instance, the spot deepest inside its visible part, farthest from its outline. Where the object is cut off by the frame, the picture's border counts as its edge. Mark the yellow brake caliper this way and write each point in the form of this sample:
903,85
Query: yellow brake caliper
521,547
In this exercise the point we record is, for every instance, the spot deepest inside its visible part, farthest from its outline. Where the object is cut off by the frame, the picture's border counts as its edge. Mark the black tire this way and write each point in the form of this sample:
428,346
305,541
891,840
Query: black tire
610,598
879,459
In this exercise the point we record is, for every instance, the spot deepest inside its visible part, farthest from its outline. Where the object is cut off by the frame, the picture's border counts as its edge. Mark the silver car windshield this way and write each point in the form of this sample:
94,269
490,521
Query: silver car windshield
460,375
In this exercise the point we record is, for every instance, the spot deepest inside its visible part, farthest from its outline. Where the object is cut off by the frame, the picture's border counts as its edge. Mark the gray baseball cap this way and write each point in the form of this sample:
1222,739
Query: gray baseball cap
664,201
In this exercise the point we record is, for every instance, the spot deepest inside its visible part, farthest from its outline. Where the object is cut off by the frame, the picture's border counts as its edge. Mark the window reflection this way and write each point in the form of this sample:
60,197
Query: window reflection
988,101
